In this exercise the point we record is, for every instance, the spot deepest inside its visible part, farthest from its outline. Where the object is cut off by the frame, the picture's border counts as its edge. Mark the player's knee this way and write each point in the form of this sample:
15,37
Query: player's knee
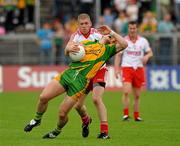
96,100
78,106
137,97
62,114
126,94
43,98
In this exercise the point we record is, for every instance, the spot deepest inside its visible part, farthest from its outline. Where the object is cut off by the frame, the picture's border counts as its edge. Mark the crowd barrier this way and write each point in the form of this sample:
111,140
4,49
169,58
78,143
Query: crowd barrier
23,49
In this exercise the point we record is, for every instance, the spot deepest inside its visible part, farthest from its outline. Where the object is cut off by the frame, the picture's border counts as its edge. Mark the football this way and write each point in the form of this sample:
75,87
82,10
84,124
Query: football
79,55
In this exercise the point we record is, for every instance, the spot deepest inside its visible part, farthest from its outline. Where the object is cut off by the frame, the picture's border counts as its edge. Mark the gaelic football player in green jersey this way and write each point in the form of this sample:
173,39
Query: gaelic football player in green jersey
75,79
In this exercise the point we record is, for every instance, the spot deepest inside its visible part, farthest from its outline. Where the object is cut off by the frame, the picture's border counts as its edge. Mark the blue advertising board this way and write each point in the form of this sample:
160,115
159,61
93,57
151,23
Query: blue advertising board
163,78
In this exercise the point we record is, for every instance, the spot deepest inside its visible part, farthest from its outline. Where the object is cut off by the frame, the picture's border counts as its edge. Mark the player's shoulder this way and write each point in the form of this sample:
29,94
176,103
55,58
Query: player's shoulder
126,37
76,36
75,33
141,38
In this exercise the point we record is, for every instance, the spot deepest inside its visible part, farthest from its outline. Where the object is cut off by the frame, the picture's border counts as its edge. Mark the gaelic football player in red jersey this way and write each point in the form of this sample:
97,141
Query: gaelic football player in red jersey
133,58
97,84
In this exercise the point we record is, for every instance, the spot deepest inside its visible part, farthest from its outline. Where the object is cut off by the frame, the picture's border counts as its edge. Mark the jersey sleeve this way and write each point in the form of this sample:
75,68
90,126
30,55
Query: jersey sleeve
74,37
146,46
96,34
110,50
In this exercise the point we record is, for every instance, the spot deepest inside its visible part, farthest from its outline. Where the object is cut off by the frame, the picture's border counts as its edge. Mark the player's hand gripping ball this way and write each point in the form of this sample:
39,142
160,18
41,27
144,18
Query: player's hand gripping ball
79,55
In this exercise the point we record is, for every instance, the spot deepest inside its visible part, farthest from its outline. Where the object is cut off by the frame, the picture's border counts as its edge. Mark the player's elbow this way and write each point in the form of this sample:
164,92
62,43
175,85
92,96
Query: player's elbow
66,52
125,44
151,54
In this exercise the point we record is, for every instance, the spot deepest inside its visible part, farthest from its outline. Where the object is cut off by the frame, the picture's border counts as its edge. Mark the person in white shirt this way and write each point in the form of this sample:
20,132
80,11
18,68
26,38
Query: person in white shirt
133,58
97,84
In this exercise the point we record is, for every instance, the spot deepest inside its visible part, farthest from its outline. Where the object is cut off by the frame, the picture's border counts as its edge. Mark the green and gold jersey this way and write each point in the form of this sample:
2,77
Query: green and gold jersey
96,56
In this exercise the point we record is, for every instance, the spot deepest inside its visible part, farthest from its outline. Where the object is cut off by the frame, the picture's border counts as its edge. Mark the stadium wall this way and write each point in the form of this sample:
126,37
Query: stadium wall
34,78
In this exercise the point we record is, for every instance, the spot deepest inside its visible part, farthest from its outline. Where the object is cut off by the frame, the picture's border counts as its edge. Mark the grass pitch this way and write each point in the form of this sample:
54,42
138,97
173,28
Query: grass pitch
160,111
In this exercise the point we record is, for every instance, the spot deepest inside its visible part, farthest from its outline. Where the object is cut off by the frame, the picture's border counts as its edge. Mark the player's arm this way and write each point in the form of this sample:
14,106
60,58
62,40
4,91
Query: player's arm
117,60
147,56
121,43
148,52
69,47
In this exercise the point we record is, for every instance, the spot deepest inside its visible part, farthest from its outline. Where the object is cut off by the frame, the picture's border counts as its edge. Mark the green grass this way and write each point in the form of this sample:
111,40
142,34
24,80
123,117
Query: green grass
160,111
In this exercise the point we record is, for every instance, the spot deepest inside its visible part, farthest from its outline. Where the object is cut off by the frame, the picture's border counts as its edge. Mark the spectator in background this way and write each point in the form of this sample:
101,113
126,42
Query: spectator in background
57,9
120,5
166,42
144,5
58,42
100,21
2,21
177,11
132,10
121,23
149,23
9,7
87,6
108,17
2,31
30,6
165,6
166,25
45,36
71,25
21,7
108,20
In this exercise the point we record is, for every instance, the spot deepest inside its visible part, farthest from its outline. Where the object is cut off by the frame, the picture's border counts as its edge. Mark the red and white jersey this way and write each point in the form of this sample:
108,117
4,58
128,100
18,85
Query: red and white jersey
133,54
92,36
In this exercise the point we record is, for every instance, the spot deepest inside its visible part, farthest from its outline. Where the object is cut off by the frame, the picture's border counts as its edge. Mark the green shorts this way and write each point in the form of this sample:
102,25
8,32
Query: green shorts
74,83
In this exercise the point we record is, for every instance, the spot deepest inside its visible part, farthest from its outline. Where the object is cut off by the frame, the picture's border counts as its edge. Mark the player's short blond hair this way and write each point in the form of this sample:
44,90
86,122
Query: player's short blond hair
83,16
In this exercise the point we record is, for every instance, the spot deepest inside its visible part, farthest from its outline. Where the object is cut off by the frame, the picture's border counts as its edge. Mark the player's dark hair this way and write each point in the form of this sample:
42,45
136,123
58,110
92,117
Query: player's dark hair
133,23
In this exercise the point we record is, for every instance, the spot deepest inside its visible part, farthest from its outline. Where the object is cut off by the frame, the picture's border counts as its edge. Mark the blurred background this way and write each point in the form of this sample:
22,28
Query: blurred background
22,21
25,24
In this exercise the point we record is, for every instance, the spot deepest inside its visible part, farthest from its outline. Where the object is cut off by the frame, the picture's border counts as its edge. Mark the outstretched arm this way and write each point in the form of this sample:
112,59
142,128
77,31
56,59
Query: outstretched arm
120,42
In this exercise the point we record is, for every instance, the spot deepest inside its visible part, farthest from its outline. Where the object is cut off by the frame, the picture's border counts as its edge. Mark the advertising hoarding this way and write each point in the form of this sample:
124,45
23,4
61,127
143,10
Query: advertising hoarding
32,78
